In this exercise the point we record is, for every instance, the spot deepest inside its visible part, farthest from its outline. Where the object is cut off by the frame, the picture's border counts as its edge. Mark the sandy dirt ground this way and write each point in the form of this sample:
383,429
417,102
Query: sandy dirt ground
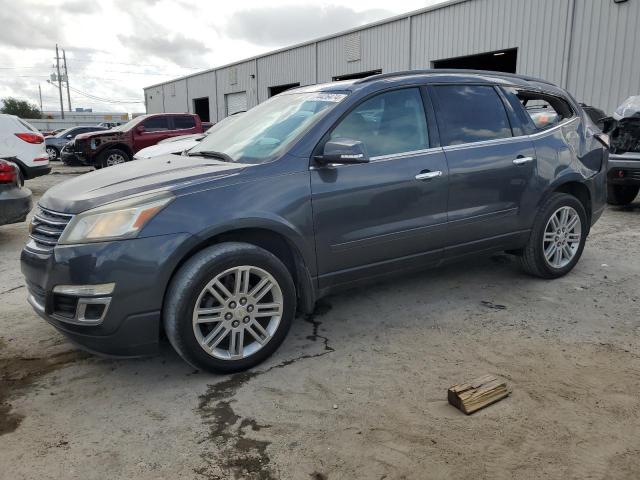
358,390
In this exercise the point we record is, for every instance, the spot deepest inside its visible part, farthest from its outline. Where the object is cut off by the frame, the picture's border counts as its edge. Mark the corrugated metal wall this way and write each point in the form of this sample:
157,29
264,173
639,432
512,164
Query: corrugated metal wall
604,67
588,46
537,28
297,65
175,96
381,47
241,77
203,85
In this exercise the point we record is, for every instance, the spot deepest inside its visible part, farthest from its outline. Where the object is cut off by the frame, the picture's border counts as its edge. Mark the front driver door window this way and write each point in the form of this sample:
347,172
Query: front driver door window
377,216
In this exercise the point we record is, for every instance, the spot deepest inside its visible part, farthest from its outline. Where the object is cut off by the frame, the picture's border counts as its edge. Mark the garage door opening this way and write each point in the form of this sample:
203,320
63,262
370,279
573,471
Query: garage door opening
499,61
281,88
201,108
355,76
236,102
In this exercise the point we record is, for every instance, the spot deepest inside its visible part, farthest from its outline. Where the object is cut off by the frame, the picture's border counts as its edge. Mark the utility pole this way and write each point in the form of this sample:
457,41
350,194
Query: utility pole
40,94
66,77
59,82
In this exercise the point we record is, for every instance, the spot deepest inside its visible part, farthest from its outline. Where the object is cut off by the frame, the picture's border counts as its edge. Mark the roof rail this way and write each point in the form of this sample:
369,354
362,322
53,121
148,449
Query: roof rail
406,73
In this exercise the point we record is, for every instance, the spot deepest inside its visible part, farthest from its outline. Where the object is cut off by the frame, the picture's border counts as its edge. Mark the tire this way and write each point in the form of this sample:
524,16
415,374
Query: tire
53,153
189,290
621,194
109,157
533,258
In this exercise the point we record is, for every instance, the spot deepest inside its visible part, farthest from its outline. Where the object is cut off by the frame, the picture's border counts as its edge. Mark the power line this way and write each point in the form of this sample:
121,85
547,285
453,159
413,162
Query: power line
107,100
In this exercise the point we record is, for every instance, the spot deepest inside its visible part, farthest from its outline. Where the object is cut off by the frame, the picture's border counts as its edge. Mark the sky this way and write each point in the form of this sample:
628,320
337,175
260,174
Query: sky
114,48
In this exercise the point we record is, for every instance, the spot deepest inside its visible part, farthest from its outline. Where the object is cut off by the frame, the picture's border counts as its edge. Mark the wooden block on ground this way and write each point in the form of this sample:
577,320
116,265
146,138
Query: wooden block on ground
479,393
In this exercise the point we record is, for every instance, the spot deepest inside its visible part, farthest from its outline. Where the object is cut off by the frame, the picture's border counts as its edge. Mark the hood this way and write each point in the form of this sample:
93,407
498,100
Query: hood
113,183
630,108
194,136
166,148
100,133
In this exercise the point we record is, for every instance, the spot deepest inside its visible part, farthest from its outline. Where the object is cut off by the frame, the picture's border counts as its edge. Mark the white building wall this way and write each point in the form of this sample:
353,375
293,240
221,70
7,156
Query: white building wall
589,47
297,65
381,47
203,85
175,96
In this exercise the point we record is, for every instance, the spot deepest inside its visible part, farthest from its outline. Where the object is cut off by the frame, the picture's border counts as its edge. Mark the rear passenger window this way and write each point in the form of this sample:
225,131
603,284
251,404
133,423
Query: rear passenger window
156,124
545,111
183,123
389,123
470,113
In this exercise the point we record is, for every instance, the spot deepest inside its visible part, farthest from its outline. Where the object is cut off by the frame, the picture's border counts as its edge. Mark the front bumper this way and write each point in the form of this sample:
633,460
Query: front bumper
70,158
140,268
624,169
15,204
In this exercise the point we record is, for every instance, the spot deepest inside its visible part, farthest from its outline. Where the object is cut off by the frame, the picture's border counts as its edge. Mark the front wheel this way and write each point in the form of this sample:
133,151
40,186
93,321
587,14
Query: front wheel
621,194
229,307
112,157
557,238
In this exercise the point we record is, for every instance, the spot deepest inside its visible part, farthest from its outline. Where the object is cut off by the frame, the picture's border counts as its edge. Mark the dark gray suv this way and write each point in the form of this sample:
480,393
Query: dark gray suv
314,190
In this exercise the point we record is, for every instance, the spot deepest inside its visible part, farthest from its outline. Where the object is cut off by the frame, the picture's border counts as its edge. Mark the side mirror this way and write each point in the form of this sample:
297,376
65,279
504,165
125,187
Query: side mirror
343,151
140,129
608,124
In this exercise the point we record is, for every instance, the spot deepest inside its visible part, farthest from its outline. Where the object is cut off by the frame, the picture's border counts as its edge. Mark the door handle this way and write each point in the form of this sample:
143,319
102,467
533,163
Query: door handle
428,175
523,160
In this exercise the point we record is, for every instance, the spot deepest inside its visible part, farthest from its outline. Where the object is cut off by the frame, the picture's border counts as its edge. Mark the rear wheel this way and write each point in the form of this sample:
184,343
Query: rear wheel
52,153
229,307
113,156
557,238
621,194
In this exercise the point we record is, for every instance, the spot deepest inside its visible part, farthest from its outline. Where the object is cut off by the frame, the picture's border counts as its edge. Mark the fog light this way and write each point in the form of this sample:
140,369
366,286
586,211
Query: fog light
85,290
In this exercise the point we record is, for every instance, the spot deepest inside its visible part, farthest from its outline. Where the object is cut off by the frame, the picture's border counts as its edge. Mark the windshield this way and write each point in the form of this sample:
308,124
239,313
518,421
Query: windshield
130,124
64,132
266,131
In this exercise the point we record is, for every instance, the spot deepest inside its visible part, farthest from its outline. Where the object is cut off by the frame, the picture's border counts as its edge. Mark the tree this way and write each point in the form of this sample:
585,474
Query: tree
20,108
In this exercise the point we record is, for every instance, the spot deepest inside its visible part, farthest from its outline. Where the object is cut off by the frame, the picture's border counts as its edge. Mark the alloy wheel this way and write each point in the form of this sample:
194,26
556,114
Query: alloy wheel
115,159
237,312
562,236
51,152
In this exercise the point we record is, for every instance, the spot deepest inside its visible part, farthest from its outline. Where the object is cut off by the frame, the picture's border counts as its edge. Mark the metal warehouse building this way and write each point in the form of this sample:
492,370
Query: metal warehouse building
589,47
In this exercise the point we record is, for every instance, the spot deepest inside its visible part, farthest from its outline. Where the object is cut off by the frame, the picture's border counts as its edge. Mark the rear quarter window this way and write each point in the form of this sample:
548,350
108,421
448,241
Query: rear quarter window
184,123
545,111
470,113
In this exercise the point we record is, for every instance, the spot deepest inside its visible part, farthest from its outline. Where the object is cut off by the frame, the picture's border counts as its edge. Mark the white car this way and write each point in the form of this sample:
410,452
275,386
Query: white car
177,145
24,145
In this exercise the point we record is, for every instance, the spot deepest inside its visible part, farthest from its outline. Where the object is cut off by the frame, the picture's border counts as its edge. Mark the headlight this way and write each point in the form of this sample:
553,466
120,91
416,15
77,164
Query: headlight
114,221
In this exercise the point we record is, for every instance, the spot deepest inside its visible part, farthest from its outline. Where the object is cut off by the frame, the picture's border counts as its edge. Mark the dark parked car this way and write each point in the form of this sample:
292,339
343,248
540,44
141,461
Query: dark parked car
315,190
54,144
15,198
118,145
623,181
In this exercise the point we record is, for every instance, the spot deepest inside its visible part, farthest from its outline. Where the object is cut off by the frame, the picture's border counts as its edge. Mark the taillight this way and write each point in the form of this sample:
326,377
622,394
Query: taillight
7,172
30,137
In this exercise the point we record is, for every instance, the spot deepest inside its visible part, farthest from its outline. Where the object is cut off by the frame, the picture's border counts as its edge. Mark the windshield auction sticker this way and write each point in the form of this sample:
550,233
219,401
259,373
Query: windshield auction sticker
327,97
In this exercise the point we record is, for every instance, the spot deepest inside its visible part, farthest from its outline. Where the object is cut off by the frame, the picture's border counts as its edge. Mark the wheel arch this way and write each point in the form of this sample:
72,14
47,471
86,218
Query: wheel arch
271,240
575,186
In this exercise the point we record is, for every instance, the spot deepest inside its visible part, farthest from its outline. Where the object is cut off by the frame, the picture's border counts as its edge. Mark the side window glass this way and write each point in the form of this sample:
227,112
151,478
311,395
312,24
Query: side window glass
389,123
470,113
156,124
545,111
183,123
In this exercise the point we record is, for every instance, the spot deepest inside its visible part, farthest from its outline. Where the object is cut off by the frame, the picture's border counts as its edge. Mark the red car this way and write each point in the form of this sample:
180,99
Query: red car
118,145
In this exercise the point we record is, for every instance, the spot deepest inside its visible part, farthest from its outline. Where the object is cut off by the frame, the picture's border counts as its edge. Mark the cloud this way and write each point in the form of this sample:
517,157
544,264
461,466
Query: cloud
179,49
277,26
28,26
79,7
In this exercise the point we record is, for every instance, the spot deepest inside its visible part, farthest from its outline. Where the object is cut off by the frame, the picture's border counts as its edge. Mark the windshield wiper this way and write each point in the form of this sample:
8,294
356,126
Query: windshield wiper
211,154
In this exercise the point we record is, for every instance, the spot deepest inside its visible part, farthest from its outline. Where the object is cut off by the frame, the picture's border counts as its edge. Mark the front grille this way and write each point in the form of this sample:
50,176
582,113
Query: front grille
45,230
